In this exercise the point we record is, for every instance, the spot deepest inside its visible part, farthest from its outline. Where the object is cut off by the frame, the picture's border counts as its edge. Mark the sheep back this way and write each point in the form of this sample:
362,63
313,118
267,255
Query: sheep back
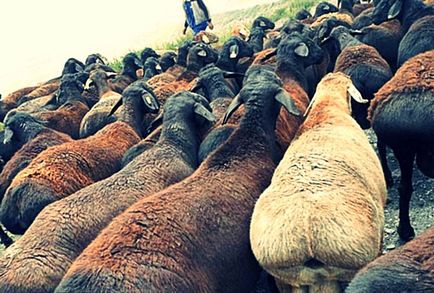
62,170
328,182
345,17
27,153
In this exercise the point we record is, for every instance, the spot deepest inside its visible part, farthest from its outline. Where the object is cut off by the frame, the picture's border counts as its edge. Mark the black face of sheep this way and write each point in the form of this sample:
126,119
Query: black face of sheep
152,67
263,23
132,62
324,30
199,55
324,8
20,126
94,59
72,85
299,48
343,36
194,108
167,60
386,10
146,53
302,14
212,79
72,65
237,48
183,52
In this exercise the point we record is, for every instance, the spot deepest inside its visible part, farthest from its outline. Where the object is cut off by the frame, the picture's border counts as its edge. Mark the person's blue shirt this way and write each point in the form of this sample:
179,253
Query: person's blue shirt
197,16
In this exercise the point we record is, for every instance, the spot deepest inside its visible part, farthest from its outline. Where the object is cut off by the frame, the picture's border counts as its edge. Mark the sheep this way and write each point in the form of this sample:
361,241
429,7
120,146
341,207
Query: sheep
400,115
167,60
263,23
36,137
321,218
10,101
240,30
366,68
384,37
417,21
324,8
72,223
193,236
302,14
151,67
66,109
256,39
61,170
97,117
342,16
147,53
206,37
71,66
96,61
131,63
363,19
409,268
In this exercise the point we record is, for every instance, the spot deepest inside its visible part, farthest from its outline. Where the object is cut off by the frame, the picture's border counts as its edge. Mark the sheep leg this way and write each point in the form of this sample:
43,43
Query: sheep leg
4,238
383,159
405,159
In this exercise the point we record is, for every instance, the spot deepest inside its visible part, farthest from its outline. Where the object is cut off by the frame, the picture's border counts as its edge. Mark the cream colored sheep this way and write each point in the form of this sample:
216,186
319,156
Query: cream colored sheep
321,219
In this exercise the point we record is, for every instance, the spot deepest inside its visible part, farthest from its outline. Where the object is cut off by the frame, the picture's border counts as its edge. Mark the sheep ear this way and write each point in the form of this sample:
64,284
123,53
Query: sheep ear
196,86
8,134
88,84
302,50
394,10
111,75
138,62
150,101
200,110
234,105
356,95
155,123
202,53
322,33
205,39
262,23
115,107
285,99
233,51
356,32
78,68
326,8
232,74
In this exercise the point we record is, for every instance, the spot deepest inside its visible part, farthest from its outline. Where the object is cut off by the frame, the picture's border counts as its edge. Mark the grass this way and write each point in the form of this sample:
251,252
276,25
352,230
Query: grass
277,11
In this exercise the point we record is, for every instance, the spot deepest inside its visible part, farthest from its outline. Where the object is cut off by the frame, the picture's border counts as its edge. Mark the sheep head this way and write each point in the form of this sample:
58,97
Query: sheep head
324,8
386,10
21,126
262,90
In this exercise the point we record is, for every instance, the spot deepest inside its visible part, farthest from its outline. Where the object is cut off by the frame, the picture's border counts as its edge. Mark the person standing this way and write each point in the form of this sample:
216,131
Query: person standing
196,16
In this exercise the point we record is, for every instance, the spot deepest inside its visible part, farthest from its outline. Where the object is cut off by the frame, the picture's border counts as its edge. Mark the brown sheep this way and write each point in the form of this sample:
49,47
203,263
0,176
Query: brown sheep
193,236
321,219
69,225
10,101
410,268
61,170
67,108
97,117
131,63
402,118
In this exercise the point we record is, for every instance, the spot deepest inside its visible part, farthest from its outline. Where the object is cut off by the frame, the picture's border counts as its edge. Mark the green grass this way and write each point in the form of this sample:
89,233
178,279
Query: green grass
280,10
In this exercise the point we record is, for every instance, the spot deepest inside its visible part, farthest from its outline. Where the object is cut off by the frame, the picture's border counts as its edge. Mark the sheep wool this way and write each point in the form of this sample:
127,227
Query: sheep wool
321,219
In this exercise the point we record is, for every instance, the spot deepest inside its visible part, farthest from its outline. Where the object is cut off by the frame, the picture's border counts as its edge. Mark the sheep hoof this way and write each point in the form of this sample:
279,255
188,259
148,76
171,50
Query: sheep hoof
405,232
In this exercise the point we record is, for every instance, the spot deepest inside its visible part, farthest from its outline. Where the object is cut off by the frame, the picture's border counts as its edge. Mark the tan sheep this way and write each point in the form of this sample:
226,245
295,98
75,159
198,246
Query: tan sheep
321,219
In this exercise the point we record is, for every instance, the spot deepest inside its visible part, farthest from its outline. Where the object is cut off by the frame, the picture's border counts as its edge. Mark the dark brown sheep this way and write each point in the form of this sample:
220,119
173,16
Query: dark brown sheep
67,108
193,236
69,225
409,268
62,170
97,117
10,101
131,63
401,115
367,69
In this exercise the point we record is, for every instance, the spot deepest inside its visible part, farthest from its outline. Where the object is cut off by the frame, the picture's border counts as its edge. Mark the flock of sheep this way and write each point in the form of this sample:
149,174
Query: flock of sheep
196,171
